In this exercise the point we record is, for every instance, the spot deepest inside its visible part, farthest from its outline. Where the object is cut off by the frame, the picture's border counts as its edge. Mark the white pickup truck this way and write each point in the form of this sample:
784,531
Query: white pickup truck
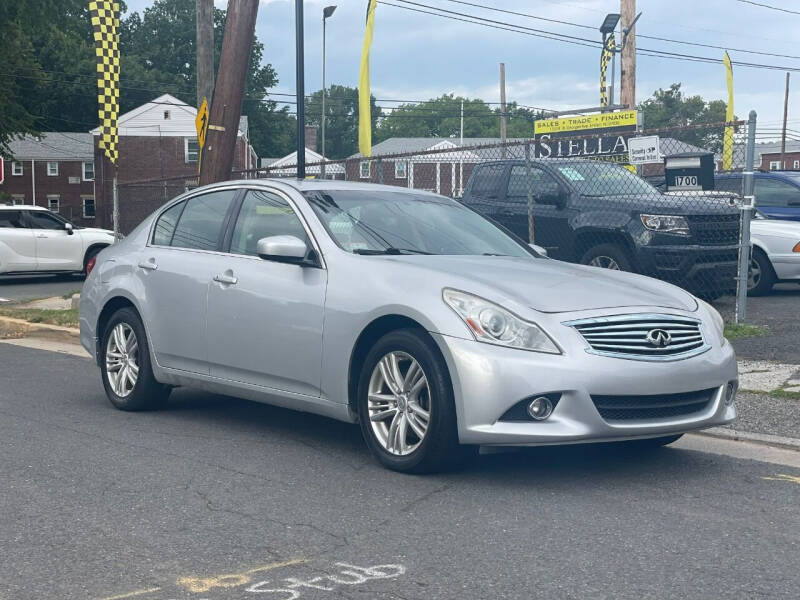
35,240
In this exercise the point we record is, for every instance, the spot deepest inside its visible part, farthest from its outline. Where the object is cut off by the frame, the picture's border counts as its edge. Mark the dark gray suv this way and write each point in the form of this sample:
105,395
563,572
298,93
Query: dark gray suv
598,213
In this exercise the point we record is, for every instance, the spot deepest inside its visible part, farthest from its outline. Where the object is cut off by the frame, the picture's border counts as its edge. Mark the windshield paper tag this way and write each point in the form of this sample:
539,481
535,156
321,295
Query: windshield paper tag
571,174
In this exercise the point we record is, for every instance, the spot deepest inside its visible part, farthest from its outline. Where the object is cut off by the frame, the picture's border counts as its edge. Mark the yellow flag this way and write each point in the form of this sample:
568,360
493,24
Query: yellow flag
727,143
364,114
105,24
606,56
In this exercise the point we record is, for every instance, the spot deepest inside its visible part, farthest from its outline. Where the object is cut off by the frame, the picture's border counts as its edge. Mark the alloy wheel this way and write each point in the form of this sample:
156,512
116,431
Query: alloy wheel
122,359
604,262
754,274
399,403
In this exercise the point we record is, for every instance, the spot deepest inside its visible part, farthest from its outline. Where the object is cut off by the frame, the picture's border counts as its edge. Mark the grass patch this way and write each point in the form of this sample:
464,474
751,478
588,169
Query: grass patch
744,330
785,394
69,295
65,318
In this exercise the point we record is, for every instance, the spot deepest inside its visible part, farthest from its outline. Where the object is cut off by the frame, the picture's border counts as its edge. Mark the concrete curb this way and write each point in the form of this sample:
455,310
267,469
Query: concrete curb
755,438
18,328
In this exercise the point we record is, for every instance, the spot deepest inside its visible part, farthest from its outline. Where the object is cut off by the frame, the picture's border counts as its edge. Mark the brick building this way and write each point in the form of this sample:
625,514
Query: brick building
157,159
56,171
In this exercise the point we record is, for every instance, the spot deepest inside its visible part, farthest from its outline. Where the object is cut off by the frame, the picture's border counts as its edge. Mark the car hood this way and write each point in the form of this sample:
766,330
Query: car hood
551,286
789,229
95,231
673,203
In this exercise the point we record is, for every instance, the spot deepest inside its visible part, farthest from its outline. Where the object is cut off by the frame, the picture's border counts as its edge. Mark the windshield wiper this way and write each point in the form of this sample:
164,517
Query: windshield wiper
390,251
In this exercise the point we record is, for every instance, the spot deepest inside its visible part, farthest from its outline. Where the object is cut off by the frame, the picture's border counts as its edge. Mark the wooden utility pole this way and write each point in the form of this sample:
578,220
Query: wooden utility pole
628,71
785,116
205,50
502,109
226,109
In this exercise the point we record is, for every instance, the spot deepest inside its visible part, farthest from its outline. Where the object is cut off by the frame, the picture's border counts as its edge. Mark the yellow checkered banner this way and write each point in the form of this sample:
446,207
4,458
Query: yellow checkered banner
605,58
105,23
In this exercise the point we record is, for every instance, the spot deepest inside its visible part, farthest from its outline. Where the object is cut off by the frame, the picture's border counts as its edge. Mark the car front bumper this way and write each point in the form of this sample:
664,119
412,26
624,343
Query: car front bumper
787,266
699,269
489,380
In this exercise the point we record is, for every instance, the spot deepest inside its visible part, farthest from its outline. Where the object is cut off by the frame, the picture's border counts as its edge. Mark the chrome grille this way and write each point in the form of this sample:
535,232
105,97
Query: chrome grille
642,336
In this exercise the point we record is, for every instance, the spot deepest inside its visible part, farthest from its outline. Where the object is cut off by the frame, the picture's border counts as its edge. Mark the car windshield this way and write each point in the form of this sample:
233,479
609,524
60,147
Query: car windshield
596,178
387,222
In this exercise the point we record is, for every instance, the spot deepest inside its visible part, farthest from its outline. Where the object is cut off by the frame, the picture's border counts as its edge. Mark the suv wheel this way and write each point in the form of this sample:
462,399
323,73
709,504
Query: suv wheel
125,365
607,256
406,407
760,276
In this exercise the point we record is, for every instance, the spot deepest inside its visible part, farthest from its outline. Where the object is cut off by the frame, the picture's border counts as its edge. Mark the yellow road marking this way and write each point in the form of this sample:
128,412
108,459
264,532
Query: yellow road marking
198,585
784,477
131,594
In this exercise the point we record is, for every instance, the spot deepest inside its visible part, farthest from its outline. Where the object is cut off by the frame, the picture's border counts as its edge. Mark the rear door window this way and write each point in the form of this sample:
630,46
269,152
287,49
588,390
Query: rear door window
488,180
165,226
11,219
201,222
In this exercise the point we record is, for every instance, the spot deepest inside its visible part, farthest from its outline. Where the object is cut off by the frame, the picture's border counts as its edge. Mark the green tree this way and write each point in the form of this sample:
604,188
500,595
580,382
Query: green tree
672,108
341,124
49,71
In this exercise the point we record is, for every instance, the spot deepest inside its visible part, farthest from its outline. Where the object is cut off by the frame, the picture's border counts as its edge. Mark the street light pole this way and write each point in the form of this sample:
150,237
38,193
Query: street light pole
300,86
326,12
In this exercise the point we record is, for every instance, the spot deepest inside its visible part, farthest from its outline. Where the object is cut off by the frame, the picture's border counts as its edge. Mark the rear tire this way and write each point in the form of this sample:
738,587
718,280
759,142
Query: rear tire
608,256
125,365
413,426
760,276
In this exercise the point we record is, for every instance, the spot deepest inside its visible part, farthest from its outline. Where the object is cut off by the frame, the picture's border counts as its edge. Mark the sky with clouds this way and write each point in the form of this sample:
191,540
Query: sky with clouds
418,56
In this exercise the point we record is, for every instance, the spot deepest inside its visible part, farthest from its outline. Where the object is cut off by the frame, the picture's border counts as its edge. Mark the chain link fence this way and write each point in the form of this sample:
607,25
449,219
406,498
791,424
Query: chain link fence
678,219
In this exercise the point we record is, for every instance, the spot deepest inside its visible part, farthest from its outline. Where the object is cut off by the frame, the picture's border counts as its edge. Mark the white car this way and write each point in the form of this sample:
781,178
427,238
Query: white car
36,240
776,254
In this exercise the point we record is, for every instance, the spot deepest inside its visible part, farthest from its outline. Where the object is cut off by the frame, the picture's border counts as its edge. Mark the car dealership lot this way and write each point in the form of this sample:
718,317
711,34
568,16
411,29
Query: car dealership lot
219,496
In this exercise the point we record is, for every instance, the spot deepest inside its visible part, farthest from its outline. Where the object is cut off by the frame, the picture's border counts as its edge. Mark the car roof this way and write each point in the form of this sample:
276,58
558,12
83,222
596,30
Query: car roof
310,185
21,207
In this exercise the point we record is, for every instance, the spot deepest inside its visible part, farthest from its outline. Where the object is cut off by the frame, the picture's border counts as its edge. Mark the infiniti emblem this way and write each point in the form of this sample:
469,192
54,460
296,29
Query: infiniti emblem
659,338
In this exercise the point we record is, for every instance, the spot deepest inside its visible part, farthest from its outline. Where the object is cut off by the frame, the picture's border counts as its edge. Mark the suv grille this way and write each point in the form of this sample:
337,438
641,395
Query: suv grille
643,337
715,230
664,406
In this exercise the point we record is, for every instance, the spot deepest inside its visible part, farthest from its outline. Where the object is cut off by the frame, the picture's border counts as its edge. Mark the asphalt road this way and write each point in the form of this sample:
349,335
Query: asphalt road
25,287
217,498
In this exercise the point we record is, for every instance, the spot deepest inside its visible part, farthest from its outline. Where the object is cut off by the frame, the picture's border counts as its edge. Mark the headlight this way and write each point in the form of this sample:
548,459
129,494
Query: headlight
493,324
666,224
719,322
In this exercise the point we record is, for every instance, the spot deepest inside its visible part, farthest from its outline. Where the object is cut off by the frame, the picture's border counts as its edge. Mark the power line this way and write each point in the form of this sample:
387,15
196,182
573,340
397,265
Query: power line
573,39
639,35
762,5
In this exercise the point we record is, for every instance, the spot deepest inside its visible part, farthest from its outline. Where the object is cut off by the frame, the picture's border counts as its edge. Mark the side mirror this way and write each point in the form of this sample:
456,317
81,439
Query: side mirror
283,248
539,249
69,228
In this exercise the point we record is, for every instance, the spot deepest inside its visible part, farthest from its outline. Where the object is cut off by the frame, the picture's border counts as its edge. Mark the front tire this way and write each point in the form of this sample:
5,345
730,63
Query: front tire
125,365
406,406
607,256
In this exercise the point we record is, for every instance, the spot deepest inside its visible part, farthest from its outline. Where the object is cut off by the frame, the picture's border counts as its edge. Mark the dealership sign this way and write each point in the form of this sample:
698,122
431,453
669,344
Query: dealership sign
604,136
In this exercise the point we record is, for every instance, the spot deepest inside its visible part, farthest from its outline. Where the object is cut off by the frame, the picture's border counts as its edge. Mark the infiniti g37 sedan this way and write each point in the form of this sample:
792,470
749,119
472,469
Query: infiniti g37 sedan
405,311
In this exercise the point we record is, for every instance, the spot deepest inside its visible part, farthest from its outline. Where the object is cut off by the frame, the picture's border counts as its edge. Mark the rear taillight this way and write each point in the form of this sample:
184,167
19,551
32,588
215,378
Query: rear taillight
90,265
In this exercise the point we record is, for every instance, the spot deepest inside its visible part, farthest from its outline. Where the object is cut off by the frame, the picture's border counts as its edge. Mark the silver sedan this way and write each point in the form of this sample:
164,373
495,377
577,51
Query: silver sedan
404,311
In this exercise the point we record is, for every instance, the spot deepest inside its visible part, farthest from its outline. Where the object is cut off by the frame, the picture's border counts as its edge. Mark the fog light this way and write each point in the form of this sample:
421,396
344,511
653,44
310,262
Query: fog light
540,408
730,393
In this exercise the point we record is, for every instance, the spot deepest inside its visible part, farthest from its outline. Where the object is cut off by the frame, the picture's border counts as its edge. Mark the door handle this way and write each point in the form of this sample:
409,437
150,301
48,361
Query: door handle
42,235
149,265
226,279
